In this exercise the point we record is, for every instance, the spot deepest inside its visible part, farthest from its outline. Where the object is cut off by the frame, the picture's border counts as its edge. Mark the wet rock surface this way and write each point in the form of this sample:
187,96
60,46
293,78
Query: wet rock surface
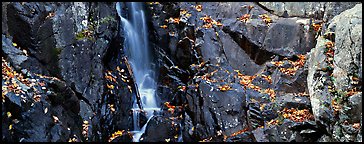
77,43
228,72
167,130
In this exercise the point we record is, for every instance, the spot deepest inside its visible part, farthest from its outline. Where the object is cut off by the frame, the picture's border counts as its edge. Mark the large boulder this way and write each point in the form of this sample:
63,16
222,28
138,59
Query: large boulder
161,129
334,75
289,36
348,47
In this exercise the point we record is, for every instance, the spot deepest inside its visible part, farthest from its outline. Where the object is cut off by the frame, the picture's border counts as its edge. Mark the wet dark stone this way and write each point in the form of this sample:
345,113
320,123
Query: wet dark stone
291,101
183,53
255,118
244,137
125,137
257,96
187,131
159,129
282,36
142,119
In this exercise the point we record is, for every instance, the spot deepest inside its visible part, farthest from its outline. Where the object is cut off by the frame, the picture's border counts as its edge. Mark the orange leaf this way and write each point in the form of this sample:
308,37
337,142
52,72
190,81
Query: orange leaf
317,26
199,8
110,86
329,44
224,88
164,26
244,18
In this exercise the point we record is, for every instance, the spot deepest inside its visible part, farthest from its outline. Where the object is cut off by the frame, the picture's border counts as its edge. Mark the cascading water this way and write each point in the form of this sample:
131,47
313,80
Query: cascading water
138,52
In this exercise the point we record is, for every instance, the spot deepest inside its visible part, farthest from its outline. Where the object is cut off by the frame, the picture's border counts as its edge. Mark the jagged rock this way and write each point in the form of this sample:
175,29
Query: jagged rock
183,52
348,45
81,42
254,116
281,133
318,10
53,117
355,103
295,9
16,56
125,137
289,36
32,31
166,130
4,26
359,137
270,111
244,137
76,55
237,56
187,130
19,59
291,131
316,80
53,35
291,101
324,138
219,110
347,63
259,135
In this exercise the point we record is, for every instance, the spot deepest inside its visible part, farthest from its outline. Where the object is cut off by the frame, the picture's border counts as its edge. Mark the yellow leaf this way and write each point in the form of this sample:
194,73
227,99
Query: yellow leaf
224,88
219,24
85,122
10,127
164,26
14,44
199,8
131,91
188,15
176,20
244,18
110,86
183,11
9,114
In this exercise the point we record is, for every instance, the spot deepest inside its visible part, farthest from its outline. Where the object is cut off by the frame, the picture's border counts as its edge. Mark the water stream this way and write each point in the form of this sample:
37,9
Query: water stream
139,55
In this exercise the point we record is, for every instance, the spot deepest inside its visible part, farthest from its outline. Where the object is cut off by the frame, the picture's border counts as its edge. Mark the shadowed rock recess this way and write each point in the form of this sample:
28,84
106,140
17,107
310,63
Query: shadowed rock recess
226,72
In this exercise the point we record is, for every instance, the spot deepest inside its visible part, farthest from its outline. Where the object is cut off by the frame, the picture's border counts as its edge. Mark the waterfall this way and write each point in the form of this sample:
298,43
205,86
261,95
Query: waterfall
139,55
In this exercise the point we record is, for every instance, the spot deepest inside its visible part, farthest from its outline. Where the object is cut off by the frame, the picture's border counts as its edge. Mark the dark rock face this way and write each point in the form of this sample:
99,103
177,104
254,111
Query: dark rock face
289,37
160,129
33,32
39,113
219,111
228,72
76,42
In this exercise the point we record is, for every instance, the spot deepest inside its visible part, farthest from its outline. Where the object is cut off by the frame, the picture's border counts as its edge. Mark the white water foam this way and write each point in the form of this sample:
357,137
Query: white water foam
139,55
